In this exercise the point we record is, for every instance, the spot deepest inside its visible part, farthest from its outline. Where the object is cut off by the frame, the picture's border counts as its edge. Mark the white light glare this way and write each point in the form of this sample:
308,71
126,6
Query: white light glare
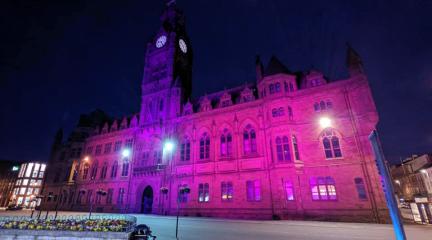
126,153
325,122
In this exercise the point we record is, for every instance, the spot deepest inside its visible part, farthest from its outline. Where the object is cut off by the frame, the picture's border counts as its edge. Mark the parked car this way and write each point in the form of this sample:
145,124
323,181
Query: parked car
14,208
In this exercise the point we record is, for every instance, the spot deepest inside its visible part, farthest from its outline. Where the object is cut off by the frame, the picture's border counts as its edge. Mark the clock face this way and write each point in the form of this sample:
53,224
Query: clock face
160,42
182,45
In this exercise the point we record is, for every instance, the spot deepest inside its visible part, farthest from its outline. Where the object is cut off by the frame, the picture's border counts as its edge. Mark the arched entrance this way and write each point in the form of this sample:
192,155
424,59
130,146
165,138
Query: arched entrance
147,200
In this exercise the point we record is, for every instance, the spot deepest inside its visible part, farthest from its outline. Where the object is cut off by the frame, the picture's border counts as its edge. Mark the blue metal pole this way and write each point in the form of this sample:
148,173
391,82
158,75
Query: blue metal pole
387,186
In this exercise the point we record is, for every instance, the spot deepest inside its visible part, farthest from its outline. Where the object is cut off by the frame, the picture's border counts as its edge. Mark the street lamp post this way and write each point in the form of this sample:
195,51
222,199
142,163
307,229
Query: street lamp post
99,192
50,196
182,190
32,203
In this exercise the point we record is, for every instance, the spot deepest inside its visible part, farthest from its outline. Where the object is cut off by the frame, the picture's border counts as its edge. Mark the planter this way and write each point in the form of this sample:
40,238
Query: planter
12,234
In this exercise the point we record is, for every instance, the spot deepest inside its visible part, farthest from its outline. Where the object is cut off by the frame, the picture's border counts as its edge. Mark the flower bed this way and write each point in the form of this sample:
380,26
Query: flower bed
94,225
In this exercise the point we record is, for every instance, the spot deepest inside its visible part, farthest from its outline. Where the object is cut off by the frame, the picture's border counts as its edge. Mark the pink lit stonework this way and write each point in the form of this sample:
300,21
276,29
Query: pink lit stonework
292,145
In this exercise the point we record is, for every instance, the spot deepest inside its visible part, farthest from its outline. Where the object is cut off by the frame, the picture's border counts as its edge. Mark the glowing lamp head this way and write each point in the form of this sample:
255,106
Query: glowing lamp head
168,146
126,153
397,181
86,158
423,171
325,122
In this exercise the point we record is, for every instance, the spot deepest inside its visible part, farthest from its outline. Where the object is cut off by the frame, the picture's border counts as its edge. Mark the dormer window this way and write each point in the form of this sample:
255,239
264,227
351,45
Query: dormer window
225,100
226,103
246,95
205,105
289,87
274,88
187,108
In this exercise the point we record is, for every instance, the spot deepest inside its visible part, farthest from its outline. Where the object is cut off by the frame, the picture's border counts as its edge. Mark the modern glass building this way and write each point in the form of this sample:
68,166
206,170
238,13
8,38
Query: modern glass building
28,184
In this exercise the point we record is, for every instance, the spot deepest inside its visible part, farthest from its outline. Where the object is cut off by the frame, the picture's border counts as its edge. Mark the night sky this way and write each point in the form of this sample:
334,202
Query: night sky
59,59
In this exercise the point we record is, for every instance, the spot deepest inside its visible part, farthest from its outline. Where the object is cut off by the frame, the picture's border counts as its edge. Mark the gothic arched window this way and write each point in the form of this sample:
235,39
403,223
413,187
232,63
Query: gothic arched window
361,189
282,149
114,170
249,140
185,150
125,169
104,170
323,188
205,146
85,171
331,144
295,147
290,113
226,144
94,171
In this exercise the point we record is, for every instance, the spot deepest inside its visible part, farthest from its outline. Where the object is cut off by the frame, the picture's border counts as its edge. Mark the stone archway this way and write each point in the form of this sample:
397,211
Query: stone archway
147,200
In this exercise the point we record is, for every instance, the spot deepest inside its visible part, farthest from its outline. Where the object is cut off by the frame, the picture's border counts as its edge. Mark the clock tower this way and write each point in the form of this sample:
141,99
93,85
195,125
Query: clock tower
167,79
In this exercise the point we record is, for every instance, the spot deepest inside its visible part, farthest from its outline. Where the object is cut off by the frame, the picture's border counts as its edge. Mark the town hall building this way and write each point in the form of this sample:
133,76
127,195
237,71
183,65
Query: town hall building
291,145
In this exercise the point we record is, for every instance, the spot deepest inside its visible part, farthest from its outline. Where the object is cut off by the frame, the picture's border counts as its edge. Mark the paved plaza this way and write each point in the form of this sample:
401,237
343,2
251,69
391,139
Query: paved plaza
216,229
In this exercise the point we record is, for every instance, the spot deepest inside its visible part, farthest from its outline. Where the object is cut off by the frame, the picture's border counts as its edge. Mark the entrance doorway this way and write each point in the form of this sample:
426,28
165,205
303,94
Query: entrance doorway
147,200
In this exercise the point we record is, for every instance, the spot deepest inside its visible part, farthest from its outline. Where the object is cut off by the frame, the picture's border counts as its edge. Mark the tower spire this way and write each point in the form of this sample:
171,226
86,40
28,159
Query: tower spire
353,61
259,68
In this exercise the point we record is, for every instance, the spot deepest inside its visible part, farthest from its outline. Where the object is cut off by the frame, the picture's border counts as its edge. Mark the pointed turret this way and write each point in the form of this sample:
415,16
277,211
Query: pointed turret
259,68
353,62
274,67
58,139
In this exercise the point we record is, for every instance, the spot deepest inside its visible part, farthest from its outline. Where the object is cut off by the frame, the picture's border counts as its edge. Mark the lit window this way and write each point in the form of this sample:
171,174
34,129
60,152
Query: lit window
289,190
205,146
282,149
253,190
29,170
22,191
21,172
25,182
227,191
203,192
226,144
323,188
331,144
361,189
249,140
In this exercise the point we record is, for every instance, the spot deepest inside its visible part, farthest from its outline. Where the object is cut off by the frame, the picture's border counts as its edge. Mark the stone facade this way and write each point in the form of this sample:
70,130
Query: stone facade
292,145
